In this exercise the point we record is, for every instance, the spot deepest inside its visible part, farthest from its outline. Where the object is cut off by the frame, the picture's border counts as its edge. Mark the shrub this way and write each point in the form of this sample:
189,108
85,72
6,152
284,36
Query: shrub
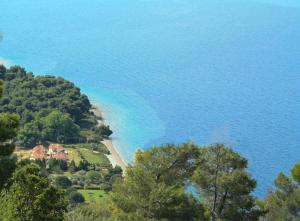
76,197
63,181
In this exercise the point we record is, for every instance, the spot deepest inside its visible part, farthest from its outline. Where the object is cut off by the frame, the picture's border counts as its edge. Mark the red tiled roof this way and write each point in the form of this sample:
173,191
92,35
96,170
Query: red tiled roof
56,147
60,156
39,152
39,148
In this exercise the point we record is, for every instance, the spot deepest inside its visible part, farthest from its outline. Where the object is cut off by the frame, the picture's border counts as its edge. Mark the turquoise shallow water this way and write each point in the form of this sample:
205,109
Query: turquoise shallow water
174,70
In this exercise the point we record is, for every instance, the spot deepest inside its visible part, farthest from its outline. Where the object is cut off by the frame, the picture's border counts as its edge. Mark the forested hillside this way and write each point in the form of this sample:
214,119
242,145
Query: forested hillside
51,109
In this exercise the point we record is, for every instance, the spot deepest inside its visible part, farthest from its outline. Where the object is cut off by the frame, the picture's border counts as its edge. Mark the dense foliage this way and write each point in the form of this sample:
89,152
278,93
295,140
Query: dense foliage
154,187
225,185
51,109
8,130
92,212
283,204
31,197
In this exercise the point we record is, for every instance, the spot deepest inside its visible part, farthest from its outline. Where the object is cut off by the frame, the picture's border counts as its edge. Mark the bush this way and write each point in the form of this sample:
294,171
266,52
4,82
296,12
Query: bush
76,197
103,131
63,181
106,187
93,177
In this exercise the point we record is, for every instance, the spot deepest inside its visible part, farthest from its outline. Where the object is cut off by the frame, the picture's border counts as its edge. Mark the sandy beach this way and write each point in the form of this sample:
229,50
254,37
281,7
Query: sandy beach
114,157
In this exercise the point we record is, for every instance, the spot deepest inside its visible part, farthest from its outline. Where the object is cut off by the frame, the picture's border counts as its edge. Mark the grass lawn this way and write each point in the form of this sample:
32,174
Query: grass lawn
23,154
73,155
94,196
94,157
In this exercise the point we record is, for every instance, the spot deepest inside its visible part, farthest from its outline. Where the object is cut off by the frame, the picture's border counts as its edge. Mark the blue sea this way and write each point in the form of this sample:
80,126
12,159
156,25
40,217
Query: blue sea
174,70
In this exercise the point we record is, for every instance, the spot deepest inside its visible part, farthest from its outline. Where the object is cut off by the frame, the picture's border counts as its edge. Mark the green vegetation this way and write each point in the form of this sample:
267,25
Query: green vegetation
154,187
284,203
78,153
63,182
94,157
94,196
99,147
225,185
51,109
32,197
76,197
74,155
90,212
8,130
22,154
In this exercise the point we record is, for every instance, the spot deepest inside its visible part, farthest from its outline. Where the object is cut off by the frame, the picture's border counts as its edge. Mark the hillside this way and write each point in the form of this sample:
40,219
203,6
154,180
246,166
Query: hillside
52,109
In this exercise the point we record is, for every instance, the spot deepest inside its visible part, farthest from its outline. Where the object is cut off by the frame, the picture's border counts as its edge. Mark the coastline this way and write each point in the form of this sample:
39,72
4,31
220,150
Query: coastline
114,157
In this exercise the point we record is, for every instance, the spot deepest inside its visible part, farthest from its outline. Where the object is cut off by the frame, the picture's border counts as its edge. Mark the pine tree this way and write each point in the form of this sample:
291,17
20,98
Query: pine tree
8,130
31,197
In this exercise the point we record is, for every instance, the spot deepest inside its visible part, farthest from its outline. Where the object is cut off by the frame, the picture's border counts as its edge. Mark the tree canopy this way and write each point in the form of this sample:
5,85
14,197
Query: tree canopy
225,185
154,187
283,204
31,197
8,130
51,109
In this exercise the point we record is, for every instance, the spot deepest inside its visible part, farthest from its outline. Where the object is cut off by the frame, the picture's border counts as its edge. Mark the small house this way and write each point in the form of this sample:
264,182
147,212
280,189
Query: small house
56,151
39,152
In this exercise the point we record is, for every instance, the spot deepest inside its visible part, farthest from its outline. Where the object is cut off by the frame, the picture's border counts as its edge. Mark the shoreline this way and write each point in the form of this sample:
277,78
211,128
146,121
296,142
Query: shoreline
114,157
